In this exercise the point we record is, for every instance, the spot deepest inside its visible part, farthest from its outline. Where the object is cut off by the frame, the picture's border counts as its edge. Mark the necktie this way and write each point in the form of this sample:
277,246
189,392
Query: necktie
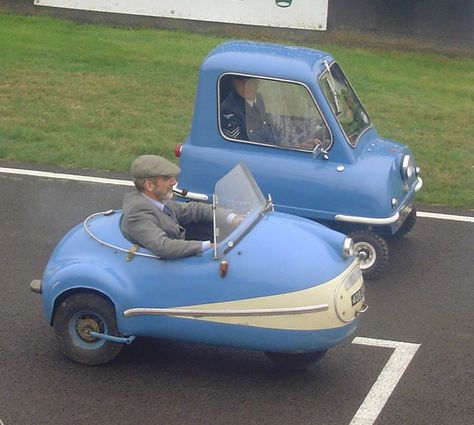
168,212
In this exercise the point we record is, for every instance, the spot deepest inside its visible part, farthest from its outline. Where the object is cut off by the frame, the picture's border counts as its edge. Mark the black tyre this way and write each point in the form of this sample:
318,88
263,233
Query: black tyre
407,225
75,317
295,361
372,251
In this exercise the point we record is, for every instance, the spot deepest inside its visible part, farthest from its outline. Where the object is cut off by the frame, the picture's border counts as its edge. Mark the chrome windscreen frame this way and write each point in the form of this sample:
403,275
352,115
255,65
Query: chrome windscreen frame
353,146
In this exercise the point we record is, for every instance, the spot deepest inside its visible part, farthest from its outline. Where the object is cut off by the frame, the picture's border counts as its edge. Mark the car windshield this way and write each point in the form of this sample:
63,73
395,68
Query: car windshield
344,103
237,199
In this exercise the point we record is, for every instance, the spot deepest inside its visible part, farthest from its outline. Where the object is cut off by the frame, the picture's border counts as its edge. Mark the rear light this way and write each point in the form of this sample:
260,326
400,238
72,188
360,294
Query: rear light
177,150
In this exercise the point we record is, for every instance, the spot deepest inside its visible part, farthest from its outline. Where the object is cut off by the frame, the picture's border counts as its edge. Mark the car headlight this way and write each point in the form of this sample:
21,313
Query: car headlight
348,247
408,167
354,276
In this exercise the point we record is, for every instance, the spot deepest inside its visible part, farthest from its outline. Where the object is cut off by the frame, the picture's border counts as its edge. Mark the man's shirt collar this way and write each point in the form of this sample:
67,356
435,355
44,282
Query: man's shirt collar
156,203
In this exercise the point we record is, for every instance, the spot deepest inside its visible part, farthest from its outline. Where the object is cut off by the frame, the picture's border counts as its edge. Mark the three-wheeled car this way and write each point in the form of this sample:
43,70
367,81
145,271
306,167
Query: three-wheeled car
292,116
277,283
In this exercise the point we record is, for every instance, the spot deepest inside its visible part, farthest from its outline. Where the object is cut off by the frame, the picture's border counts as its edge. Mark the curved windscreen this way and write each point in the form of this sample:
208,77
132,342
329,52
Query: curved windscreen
344,103
239,203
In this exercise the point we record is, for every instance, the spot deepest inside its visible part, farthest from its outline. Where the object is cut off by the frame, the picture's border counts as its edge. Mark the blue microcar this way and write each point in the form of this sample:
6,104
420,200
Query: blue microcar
278,283
292,116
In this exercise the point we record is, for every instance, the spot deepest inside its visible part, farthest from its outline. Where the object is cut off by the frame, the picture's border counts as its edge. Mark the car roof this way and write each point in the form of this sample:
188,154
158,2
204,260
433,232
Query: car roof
265,59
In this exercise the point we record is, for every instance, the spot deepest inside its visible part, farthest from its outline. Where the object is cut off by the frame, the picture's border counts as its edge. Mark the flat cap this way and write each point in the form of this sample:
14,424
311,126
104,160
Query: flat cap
151,166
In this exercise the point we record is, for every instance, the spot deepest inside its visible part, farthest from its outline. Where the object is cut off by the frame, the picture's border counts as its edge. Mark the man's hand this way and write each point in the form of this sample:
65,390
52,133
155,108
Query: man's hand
237,219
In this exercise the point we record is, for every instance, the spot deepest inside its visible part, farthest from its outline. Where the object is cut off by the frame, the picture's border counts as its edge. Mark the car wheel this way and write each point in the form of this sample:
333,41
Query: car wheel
76,316
295,361
407,225
372,252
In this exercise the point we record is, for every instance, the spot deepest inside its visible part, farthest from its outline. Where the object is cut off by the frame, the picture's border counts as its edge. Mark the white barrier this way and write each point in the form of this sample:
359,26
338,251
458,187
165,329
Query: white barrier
302,14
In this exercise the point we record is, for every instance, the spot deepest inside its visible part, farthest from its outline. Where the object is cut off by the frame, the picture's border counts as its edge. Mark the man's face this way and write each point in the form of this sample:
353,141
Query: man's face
161,187
247,88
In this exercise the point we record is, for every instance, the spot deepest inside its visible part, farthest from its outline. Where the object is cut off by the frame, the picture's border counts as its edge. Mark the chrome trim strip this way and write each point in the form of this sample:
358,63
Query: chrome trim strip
419,184
214,225
117,248
225,313
368,220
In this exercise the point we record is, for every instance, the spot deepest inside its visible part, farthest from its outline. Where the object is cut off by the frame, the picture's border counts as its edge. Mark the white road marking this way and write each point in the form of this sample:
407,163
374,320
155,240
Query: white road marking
452,217
117,182
62,176
386,381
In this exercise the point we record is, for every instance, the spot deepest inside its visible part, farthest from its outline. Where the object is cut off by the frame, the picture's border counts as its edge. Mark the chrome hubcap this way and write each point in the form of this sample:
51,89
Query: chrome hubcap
366,254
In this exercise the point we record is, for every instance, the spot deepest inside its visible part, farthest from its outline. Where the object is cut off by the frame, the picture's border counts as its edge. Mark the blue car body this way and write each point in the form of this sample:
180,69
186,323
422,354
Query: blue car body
355,184
290,286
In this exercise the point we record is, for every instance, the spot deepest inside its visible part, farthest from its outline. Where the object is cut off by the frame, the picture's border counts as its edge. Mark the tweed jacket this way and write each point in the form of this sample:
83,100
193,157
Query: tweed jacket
143,223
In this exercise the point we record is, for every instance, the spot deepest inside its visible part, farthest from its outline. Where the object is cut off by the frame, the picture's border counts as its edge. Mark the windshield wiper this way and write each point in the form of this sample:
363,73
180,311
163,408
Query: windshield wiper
330,82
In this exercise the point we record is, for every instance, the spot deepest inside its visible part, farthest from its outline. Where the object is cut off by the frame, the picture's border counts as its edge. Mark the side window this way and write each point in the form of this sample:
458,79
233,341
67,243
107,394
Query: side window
270,112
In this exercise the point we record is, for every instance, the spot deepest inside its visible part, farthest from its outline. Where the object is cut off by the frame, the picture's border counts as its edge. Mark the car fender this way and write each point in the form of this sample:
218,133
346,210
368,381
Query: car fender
82,276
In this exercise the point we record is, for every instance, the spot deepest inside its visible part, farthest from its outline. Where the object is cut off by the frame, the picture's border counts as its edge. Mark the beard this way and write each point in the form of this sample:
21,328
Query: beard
163,194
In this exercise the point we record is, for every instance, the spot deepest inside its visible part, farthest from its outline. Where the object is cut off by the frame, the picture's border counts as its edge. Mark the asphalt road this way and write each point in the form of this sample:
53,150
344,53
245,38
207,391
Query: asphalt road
425,297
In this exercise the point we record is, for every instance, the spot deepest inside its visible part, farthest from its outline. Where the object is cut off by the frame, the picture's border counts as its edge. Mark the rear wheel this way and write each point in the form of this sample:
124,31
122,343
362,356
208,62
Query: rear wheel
295,360
75,318
372,252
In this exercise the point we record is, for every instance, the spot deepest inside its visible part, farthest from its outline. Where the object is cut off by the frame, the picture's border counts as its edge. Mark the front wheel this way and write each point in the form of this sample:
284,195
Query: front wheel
407,225
295,361
372,252
75,318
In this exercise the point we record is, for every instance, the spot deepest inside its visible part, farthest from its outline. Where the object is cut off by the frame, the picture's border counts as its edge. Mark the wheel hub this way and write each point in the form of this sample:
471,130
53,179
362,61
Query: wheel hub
366,254
85,325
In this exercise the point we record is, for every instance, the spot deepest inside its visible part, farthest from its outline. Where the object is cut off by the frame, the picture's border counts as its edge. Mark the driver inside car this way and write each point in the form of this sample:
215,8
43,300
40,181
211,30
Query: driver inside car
153,220
244,117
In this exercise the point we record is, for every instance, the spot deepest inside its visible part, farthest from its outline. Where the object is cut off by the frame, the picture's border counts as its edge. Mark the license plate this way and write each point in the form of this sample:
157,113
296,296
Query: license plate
357,296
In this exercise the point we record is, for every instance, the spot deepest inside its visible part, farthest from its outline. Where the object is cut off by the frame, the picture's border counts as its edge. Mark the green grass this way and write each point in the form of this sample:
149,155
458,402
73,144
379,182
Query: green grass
95,97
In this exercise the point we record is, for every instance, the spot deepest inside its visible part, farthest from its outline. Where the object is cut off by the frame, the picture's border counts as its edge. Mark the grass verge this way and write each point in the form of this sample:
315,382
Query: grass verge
95,97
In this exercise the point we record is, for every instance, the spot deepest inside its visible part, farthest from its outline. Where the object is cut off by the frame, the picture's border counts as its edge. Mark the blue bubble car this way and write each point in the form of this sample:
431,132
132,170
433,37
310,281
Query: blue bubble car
292,116
278,283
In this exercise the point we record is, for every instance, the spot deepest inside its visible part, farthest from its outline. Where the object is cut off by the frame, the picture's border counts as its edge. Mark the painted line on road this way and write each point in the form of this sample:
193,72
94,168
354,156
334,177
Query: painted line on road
452,217
386,381
118,182
62,176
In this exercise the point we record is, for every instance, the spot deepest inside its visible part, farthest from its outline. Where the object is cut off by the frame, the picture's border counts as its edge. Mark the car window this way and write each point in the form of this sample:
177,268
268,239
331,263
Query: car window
270,112
344,103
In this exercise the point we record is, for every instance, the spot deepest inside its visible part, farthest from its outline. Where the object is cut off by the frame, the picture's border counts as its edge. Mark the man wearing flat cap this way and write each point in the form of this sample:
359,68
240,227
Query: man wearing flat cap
152,220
